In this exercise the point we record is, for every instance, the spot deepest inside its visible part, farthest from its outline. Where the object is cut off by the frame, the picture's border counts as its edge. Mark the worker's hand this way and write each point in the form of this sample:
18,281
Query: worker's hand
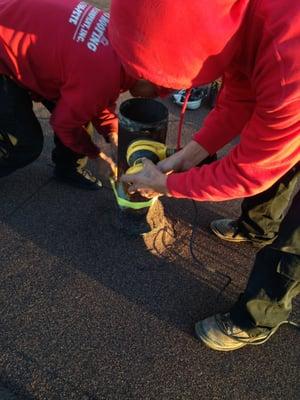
113,140
150,182
188,157
173,163
106,154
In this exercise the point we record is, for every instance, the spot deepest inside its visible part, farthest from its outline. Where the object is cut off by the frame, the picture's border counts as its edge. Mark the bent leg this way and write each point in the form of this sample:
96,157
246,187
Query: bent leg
21,136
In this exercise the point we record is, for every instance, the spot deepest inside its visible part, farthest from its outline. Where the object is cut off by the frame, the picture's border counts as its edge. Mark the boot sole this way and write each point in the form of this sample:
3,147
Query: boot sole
244,240
200,334
228,239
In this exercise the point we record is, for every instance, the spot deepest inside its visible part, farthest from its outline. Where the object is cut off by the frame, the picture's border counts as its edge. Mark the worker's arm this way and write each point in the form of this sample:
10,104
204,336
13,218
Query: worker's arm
91,86
269,144
106,123
233,109
67,122
264,154
269,147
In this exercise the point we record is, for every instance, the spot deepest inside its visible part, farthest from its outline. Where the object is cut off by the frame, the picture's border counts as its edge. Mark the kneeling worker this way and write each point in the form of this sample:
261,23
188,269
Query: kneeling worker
57,52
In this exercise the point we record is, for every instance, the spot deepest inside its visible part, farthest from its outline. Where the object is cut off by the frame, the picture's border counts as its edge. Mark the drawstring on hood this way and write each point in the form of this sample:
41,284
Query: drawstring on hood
179,135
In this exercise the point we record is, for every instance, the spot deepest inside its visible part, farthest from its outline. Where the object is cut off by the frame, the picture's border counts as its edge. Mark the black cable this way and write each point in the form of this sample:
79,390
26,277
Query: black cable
165,231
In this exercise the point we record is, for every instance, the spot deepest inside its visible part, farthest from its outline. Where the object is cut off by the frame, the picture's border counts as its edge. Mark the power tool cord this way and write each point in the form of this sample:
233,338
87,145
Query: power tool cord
225,277
179,135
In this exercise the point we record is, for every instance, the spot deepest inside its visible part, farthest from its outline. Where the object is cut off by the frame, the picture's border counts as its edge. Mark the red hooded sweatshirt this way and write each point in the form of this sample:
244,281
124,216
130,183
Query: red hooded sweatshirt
255,45
59,50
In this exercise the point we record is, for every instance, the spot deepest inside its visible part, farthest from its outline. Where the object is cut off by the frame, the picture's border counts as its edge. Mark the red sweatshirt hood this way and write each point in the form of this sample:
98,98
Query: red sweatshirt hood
173,43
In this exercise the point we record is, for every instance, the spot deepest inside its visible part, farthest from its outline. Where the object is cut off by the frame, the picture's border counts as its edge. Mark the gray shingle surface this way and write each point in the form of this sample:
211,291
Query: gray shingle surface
88,313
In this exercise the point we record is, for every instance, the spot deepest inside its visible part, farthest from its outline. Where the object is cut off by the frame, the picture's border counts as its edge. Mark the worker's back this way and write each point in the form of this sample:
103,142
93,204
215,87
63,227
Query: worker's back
41,41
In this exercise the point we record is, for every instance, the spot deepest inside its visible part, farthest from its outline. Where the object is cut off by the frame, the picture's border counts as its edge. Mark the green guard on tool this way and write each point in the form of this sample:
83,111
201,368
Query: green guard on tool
135,205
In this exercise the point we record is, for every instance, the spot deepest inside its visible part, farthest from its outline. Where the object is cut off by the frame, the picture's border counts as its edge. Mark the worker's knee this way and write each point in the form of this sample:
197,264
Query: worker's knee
37,141
30,150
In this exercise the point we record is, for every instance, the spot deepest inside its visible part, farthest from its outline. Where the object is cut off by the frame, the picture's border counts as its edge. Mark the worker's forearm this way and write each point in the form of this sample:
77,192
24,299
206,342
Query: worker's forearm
190,156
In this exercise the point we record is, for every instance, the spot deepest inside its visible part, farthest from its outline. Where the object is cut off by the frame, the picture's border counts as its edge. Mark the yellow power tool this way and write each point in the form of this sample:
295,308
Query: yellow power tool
145,148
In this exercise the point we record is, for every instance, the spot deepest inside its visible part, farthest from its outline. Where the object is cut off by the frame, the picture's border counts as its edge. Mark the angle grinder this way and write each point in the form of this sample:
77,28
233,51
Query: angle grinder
145,148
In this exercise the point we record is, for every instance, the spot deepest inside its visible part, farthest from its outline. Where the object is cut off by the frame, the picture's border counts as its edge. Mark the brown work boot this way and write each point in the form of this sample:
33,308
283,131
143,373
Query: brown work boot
228,229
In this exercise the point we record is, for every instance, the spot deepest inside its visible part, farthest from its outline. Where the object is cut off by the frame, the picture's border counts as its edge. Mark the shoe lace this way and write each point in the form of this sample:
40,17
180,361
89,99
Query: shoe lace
228,328
274,330
237,230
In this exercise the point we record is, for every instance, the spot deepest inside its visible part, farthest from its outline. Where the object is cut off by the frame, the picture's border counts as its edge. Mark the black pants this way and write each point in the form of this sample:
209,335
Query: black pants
275,278
21,136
